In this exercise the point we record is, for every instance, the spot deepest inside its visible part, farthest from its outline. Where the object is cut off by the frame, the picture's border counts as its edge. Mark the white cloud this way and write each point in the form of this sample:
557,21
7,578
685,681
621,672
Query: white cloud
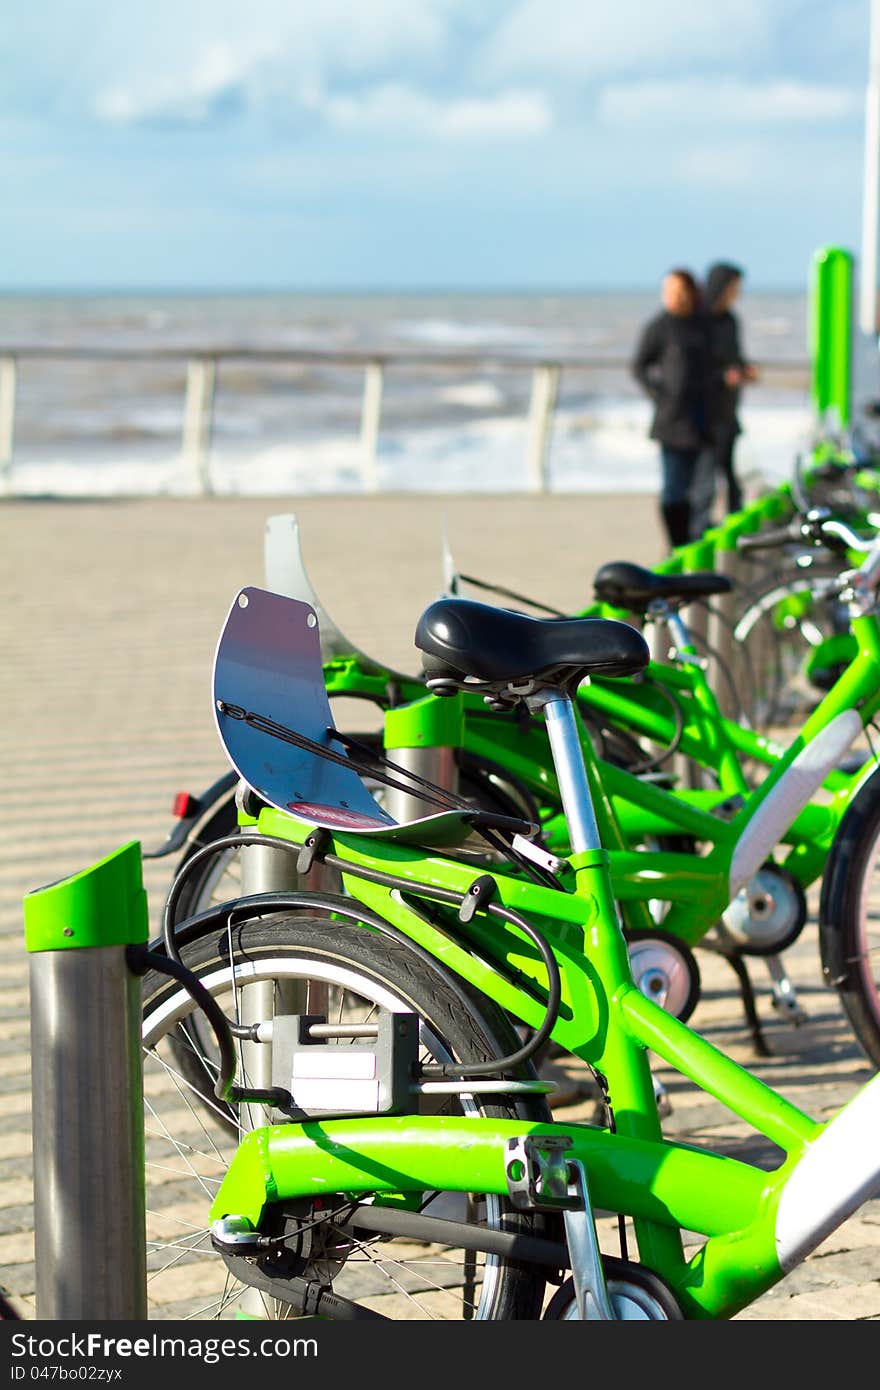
264,54
580,39
395,108
224,80
219,76
699,101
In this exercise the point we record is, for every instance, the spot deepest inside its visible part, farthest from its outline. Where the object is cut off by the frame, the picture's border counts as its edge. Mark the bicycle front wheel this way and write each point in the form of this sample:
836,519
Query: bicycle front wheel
784,621
350,974
849,916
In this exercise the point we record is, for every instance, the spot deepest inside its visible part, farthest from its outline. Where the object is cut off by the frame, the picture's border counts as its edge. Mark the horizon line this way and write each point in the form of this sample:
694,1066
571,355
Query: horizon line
18,291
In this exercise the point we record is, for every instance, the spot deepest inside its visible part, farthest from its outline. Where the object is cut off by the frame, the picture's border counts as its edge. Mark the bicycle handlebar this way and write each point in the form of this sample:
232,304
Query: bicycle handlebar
842,468
768,540
834,527
818,527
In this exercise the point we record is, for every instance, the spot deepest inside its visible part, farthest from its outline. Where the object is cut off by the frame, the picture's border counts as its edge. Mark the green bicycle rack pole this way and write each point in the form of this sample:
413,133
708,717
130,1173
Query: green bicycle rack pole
88,1125
831,334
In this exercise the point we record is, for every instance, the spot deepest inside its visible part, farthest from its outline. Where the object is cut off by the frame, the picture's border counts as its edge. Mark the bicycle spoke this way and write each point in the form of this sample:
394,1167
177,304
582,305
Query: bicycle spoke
181,1090
200,1140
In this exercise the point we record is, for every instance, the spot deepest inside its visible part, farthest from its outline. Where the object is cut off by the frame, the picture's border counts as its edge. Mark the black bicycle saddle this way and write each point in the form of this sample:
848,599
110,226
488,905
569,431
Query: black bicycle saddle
624,585
460,638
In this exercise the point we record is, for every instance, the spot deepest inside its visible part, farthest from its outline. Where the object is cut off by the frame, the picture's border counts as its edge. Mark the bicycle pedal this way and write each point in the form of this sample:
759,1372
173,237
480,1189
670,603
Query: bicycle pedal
541,1174
538,1176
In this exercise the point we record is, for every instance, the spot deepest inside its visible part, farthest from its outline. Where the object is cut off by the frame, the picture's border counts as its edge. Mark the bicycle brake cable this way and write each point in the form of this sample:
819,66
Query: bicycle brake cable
511,593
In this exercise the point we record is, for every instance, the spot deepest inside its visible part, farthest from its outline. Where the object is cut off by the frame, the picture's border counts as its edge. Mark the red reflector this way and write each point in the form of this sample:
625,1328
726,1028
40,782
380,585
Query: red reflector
184,805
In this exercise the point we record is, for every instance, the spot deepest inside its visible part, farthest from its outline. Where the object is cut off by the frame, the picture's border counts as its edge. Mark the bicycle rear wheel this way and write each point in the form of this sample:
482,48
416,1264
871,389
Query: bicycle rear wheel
350,974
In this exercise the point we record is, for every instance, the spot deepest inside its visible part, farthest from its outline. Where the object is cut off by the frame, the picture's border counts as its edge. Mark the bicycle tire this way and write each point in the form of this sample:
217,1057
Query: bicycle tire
366,972
776,678
849,916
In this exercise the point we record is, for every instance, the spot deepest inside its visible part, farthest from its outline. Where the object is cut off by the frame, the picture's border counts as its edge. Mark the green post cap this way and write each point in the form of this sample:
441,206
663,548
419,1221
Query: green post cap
102,906
698,555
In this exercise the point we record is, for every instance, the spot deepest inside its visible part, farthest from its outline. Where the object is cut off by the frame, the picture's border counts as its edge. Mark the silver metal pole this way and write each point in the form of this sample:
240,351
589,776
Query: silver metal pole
545,387
436,765
574,790
721,664
265,870
88,1128
371,416
8,381
87,1082
868,278
198,416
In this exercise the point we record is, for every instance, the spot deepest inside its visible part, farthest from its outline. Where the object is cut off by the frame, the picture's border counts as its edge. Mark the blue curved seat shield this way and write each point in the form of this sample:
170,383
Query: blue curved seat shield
268,662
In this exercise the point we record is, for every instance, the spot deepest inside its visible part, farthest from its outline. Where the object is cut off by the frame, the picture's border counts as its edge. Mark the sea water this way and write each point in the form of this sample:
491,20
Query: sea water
90,427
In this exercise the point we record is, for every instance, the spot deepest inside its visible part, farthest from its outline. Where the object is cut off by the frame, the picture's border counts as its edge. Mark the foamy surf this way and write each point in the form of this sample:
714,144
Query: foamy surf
601,449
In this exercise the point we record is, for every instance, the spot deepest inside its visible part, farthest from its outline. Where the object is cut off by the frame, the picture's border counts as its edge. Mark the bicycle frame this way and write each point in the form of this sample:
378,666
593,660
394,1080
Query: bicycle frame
630,810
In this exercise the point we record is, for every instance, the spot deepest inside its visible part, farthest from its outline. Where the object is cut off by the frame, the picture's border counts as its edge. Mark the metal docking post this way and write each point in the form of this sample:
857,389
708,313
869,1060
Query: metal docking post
724,674
88,1121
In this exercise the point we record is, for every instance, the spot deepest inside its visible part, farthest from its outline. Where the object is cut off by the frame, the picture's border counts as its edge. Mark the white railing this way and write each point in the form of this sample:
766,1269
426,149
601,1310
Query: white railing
203,369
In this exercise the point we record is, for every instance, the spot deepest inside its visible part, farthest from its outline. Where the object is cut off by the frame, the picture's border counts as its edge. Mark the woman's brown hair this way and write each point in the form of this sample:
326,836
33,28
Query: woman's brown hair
691,285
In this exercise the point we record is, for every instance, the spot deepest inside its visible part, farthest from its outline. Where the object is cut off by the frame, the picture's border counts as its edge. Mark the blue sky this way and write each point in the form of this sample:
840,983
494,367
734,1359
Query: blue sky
412,143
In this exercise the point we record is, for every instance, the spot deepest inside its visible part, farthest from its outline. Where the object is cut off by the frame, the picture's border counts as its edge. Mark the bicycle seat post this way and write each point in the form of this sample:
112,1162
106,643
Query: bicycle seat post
663,613
568,760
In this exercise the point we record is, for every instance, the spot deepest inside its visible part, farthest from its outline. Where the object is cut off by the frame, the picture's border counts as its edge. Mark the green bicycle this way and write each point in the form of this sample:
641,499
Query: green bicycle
424,1179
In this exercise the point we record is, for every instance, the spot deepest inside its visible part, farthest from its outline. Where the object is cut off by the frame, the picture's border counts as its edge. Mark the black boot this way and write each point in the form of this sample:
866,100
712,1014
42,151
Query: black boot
677,518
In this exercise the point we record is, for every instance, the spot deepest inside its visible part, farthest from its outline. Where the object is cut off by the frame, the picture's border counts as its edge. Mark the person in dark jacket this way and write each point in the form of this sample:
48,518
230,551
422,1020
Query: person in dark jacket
671,362
728,371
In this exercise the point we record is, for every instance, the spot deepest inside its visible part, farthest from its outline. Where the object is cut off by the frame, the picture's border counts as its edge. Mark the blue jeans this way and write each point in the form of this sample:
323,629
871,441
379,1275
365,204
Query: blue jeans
679,468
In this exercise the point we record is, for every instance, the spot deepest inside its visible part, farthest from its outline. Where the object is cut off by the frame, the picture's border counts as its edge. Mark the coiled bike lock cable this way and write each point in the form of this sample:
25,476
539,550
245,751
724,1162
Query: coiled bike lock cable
279,901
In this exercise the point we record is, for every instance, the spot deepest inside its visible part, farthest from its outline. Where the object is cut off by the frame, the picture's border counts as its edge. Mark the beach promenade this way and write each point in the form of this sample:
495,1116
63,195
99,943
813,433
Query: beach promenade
111,612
